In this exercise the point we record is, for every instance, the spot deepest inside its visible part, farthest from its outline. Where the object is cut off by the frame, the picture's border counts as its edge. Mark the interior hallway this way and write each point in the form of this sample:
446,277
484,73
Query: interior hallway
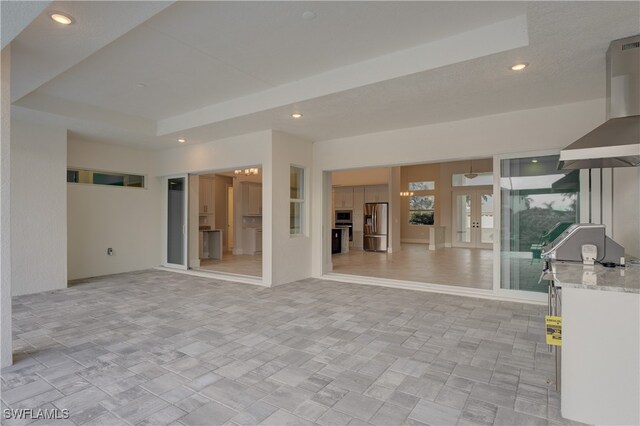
451,266
157,347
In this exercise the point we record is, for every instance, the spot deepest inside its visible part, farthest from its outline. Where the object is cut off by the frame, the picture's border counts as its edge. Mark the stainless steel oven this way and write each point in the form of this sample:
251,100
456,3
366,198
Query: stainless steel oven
344,216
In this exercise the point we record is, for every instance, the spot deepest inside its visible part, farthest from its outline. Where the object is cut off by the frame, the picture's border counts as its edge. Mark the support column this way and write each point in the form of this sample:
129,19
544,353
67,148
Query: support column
6,349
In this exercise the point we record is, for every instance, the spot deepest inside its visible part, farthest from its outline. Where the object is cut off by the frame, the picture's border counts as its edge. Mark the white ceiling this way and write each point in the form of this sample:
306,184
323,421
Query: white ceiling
216,69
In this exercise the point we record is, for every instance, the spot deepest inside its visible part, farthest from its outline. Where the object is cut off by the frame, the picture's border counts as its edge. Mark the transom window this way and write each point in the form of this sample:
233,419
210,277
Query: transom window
427,185
95,177
459,179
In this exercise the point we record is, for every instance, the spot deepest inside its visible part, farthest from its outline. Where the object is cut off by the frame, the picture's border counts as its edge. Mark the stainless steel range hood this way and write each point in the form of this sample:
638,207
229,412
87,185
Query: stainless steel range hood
616,143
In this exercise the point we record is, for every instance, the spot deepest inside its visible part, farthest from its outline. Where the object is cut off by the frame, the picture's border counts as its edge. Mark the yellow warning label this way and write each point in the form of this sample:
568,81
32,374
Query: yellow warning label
554,330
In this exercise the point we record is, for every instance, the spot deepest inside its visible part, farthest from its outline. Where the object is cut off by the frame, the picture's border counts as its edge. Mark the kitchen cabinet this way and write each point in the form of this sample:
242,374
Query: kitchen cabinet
206,196
344,197
252,196
376,194
358,200
252,239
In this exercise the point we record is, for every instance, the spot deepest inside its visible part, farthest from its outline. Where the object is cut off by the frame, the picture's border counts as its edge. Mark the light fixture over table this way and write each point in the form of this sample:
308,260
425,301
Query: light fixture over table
246,172
470,175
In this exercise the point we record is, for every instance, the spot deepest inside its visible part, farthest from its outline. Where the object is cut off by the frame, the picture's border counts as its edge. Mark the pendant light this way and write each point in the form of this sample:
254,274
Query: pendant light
470,175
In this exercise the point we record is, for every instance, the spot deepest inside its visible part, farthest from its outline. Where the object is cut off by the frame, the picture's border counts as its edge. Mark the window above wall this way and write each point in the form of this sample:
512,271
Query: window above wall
459,179
95,177
428,185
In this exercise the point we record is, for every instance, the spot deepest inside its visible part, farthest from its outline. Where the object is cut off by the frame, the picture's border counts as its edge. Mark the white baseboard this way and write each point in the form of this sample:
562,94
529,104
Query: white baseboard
415,240
238,278
435,288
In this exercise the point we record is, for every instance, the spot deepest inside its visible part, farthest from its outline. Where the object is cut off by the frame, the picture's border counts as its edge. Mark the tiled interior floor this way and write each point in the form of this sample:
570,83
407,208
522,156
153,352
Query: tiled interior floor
156,347
244,264
414,262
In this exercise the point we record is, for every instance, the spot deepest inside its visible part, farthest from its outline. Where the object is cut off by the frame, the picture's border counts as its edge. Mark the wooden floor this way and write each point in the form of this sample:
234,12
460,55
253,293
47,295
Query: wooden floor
414,262
243,264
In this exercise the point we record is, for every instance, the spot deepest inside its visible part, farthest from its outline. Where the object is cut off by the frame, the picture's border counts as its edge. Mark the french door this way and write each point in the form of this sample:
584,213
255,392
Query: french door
176,195
472,218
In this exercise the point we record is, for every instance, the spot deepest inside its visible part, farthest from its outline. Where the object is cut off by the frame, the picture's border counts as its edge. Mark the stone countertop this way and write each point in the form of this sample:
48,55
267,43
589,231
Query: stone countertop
597,277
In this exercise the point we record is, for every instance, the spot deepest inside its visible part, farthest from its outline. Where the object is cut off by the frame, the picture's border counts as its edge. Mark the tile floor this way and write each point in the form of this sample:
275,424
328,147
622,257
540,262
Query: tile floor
414,262
243,264
154,347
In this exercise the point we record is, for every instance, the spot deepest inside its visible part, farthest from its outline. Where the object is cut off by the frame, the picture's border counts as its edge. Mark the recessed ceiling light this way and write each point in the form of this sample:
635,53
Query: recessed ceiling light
141,85
309,15
182,140
534,161
519,67
61,18
296,115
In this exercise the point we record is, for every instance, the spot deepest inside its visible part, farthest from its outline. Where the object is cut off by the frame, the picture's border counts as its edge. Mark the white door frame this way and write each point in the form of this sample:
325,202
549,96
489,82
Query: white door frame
497,225
475,192
165,222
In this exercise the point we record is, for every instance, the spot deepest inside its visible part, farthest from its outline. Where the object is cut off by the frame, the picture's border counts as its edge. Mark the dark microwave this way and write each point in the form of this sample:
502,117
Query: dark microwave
344,216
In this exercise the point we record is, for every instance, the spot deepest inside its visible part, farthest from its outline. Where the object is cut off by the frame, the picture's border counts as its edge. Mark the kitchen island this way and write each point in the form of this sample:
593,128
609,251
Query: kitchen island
600,376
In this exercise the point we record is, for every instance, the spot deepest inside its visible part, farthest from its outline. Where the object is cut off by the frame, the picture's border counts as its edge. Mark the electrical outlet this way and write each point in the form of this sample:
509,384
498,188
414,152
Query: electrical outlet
109,251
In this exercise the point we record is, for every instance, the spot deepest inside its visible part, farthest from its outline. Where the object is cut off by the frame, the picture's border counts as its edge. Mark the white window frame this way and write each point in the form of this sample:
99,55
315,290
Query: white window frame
300,201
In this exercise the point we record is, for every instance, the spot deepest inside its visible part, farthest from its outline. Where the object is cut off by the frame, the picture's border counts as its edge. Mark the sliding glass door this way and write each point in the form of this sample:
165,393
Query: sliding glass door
176,196
537,203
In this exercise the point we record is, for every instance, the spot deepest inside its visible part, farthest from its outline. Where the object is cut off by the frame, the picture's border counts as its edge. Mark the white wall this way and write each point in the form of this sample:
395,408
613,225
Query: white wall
38,208
529,130
6,343
125,219
223,154
291,255
361,177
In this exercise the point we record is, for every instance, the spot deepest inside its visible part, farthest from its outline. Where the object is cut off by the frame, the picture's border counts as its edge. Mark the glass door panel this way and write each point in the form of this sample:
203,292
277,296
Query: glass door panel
473,218
462,220
176,222
486,218
537,202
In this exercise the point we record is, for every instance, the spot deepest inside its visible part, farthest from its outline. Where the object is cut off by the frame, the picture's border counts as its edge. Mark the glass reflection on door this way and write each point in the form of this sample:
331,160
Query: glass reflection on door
176,220
463,218
486,218
537,202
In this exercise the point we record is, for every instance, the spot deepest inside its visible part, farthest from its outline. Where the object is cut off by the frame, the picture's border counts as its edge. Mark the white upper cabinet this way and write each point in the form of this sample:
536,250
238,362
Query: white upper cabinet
206,195
343,198
252,195
376,194
358,200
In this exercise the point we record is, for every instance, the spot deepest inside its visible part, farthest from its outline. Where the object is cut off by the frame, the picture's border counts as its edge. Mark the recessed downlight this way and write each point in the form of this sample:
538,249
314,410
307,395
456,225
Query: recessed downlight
182,140
309,15
296,115
519,67
141,85
534,161
61,18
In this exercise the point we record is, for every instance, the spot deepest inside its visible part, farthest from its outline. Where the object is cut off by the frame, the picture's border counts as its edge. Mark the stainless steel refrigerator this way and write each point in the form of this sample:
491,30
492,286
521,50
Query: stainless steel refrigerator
375,226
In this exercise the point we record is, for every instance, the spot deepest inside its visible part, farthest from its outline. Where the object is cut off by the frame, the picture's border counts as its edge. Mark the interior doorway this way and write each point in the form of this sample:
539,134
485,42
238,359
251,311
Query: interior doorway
230,222
438,223
472,218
